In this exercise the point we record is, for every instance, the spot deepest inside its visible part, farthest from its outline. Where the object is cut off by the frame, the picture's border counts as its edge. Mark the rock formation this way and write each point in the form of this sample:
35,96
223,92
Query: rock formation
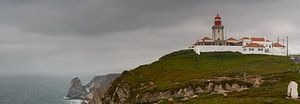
76,91
101,81
122,92
96,87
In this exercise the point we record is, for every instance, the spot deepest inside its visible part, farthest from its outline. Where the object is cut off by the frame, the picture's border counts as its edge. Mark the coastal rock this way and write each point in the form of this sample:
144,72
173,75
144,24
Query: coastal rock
101,81
198,90
76,91
92,91
98,86
189,92
121,93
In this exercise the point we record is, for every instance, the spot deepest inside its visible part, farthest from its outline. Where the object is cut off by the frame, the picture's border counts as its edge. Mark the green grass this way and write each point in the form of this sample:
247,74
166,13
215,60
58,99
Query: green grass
266,94
178,69
255,100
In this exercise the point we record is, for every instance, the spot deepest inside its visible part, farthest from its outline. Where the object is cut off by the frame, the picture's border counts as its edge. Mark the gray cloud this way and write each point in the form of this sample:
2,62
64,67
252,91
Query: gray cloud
102,36
94,16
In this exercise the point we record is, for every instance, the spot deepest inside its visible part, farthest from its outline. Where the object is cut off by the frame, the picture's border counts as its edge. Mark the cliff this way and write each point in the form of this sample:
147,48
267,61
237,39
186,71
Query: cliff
184,77
76,91
101,83
98,86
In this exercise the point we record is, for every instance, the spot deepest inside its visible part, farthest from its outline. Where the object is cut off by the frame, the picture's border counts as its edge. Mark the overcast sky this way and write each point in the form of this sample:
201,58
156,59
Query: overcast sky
104,36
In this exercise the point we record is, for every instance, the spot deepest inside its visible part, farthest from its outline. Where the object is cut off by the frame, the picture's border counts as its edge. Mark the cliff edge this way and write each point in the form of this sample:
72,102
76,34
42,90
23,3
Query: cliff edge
185,77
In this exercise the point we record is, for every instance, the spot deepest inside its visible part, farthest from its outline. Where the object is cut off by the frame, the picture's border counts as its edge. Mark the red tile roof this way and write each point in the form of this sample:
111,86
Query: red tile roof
232,39
258,39
206,38
254,45
277,45
255,39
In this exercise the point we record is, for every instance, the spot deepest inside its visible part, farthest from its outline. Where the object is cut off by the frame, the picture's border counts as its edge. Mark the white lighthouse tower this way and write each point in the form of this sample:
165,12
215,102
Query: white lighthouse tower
218,29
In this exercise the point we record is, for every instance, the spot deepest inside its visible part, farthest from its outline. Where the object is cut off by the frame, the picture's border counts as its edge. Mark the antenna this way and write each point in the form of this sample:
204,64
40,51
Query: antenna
287,46
224,34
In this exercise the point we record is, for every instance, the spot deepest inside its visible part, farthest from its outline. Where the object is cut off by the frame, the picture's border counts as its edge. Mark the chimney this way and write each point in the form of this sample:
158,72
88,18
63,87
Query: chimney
272,45
265,38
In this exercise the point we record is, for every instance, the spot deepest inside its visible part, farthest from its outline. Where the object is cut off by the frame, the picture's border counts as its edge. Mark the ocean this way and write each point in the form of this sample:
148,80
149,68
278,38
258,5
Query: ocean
35,89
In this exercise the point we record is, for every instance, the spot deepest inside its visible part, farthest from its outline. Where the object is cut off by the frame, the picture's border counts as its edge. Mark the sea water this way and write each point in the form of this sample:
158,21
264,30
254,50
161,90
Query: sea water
34,89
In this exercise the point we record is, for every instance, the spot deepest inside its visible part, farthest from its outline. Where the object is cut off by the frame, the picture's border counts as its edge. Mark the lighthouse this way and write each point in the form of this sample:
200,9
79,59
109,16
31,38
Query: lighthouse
246,45
218,29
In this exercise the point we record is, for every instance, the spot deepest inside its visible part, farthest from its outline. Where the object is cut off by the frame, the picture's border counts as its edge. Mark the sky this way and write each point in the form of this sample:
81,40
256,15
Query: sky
98,37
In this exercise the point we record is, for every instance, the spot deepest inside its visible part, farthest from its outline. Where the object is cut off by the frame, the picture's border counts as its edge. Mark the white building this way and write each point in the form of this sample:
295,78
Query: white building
246,45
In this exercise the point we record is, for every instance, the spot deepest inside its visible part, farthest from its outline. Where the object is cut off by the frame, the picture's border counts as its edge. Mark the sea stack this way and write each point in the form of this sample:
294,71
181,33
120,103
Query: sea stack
76,91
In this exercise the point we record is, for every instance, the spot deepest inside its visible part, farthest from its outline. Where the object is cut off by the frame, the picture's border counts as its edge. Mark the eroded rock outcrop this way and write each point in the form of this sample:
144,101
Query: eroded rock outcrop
193,91
77,90
122,93
101,81
96,87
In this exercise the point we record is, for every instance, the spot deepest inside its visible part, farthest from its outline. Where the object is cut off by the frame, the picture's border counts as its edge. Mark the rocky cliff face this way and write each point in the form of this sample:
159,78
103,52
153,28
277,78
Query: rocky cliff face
101,81
76,91
122,92
98,84
193,91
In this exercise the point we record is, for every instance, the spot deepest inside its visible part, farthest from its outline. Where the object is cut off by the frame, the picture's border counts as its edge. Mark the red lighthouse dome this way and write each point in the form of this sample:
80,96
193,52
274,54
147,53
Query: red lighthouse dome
217,17
218,20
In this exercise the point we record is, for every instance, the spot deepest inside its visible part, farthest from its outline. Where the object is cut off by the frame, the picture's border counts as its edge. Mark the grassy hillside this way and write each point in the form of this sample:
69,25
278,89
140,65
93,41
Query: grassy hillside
266,94
180,68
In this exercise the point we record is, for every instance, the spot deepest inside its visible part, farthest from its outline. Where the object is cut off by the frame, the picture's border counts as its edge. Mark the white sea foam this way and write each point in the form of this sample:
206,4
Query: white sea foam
74,101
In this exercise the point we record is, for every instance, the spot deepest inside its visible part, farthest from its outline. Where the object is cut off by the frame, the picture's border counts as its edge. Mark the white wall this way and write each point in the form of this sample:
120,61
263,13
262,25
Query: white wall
254,51
278,51
246,41
219,34
216,48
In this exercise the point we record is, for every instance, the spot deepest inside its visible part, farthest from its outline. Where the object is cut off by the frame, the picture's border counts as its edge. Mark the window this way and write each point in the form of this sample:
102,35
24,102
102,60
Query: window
251,49
260,49
267,50
218,31
245,49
